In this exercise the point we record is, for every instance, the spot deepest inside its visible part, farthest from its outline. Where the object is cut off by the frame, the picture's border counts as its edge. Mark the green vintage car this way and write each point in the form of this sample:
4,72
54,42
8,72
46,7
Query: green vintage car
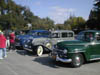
86,47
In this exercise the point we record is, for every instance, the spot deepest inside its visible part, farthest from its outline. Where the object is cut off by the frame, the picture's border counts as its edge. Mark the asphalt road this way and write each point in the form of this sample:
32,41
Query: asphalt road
25,63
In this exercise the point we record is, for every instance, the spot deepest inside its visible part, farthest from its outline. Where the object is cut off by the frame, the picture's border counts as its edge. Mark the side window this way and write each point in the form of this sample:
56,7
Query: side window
64,35
39,33
89,36
70,34
98,37
55,35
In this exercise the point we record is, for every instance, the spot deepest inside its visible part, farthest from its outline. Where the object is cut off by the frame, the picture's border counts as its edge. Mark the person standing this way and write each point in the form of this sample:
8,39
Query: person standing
7,39
2,46
12,40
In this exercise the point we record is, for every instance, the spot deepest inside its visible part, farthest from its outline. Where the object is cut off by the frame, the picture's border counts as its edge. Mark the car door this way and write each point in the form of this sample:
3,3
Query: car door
95,47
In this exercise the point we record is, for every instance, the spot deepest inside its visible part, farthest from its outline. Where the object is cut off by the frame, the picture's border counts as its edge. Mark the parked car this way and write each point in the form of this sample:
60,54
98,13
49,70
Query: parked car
20,39
85,48
41,44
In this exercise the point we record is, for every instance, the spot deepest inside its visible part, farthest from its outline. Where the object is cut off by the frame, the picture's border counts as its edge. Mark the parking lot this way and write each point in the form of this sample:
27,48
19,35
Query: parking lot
21,62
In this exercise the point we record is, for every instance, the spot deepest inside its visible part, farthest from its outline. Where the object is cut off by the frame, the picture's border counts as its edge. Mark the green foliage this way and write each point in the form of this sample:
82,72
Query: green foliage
71,23
2,6
74,22
16,17
59,26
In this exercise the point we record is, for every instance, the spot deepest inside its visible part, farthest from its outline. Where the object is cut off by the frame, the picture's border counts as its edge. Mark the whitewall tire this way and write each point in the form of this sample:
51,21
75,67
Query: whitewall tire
39,50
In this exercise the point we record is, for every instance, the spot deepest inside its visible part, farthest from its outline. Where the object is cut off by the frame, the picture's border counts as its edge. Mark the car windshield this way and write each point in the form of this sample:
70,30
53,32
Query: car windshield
85,36
80,36
43,33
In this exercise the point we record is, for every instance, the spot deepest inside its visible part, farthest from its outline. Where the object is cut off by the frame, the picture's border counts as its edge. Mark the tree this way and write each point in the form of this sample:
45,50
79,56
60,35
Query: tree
45,23
2,7
48,23
14,16
94,17
59,26
74,22
9,14
28,15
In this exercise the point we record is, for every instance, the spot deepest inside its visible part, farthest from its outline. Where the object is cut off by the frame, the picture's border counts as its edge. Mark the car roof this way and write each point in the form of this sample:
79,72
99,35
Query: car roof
62,31
39,30
96,31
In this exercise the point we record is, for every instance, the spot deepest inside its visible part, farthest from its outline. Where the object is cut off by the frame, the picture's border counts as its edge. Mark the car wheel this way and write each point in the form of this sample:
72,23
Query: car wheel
77,60
39,50
49,45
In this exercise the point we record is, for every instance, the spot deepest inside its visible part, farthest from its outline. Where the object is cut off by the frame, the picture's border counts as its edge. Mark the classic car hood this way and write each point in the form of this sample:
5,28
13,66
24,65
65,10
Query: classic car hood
75,44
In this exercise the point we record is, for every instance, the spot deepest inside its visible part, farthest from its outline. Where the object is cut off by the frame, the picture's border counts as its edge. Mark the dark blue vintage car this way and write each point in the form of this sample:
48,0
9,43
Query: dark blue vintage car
20,39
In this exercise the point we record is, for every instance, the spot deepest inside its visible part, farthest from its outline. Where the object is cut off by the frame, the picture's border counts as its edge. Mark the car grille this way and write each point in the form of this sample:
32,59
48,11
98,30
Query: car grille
60,47
60,53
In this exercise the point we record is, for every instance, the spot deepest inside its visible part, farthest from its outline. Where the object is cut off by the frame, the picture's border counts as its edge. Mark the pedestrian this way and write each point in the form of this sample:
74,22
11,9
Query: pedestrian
8,40
2,46
12,41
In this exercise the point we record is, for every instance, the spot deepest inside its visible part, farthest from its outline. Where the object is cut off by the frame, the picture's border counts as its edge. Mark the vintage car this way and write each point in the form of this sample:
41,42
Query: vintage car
20,32
41,44
20,39
86,47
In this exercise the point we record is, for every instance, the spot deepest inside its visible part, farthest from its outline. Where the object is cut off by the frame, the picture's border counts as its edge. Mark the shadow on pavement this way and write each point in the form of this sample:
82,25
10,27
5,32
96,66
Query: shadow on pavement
91,62
47,61
44,60
25,52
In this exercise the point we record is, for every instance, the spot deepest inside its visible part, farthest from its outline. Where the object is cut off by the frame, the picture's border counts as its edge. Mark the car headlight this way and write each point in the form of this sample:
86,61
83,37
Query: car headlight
65,51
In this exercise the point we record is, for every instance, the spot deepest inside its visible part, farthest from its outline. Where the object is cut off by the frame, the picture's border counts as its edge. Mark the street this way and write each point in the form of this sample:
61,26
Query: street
25,63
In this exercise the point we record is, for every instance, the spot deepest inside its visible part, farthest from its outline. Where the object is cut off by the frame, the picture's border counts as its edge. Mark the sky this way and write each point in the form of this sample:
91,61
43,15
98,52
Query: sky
58,10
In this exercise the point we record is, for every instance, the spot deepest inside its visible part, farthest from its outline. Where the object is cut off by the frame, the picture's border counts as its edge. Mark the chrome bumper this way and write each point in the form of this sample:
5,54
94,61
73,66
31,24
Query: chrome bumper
63,60
57,58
